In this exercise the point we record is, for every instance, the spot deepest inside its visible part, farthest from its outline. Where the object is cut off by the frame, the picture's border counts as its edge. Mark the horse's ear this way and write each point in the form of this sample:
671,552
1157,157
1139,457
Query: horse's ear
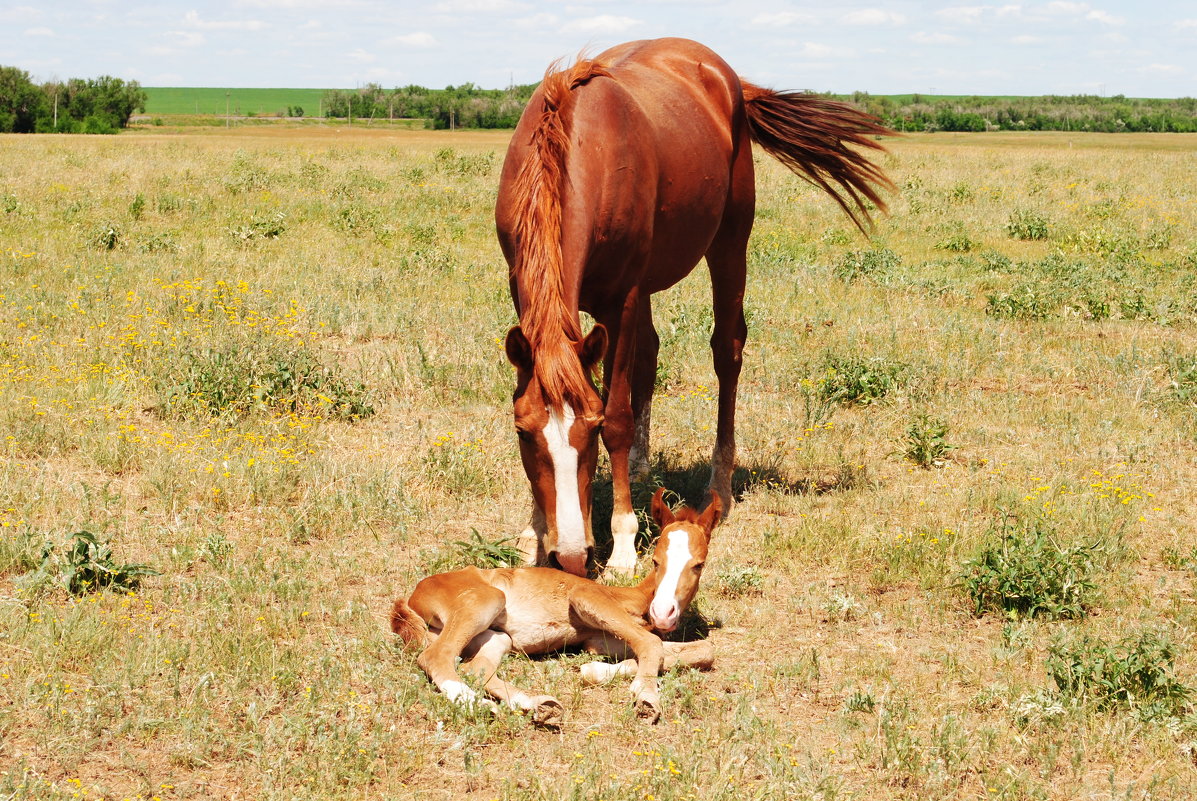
519,351
711,516
662,514
593,347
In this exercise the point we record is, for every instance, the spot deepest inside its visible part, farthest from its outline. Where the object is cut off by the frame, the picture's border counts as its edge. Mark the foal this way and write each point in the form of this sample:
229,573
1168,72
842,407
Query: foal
481,615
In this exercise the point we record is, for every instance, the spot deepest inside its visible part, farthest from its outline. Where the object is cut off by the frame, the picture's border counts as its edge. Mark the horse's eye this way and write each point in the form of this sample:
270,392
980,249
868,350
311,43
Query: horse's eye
525,436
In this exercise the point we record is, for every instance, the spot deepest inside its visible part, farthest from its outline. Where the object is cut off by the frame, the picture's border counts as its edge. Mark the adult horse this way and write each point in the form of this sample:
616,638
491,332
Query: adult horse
624,171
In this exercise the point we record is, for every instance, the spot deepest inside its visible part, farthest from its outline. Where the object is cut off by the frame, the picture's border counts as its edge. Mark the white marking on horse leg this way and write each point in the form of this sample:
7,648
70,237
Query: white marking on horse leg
638,454
571,529
521,700
603,672
623,533
459,693
663,612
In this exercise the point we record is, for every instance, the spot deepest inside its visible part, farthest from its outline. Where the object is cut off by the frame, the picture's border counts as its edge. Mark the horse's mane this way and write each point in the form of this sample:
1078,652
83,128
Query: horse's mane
550,326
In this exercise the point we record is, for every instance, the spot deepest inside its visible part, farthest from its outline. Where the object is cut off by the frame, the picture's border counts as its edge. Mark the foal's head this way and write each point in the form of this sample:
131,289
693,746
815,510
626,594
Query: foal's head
679,557
558,419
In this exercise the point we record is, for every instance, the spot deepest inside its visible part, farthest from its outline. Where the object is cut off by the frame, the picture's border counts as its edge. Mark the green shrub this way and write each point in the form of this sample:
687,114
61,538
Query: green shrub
1135,673
1182,377
857,381
239,379
1026,301
925,442
85,566
1024,572
861,263
1027,224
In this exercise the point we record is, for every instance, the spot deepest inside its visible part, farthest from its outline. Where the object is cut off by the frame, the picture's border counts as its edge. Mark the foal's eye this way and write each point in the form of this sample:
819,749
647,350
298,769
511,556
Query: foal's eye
524,436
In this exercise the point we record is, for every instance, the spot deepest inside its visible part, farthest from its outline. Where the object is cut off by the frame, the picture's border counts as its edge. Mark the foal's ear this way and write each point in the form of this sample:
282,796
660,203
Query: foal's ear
662,514
711,516
519,351
593,348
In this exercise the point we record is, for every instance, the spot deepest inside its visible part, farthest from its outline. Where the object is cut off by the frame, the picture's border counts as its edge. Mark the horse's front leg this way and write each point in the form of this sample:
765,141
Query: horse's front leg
619,429
531,541
482,660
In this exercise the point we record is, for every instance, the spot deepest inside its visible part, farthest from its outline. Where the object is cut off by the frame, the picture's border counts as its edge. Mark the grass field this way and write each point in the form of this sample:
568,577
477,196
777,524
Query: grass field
240,102
267,365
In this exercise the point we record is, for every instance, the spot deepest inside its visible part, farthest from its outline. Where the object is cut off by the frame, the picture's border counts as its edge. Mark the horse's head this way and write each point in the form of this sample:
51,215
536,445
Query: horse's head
559,440
679,557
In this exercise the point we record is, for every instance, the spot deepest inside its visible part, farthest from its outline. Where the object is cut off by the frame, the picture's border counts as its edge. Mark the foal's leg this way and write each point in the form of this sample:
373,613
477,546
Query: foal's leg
464,616
488,649
644,379
600,611
697,654
618,427
727,259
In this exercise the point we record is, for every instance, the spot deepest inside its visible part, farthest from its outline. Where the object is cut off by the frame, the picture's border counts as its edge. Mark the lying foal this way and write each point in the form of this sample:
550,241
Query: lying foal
481,615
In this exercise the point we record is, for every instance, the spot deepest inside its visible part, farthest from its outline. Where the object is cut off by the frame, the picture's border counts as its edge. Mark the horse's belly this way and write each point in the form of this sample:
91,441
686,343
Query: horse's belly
536,630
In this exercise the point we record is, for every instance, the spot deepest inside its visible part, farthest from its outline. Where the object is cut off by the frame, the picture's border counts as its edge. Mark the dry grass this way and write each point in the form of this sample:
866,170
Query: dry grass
258,665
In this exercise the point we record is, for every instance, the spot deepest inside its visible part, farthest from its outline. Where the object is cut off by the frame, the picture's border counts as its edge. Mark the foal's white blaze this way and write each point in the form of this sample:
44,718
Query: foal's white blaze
571,530
664,611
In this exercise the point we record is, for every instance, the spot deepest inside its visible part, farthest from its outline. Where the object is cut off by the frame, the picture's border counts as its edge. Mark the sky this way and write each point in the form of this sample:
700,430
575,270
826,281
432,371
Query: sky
1139,49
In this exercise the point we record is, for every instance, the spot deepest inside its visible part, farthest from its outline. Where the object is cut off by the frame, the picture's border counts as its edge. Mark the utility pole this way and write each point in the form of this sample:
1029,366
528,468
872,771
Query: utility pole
226,109
56,108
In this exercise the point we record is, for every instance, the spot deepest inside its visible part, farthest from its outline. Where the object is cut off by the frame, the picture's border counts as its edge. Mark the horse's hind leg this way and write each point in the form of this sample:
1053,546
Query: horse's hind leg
644,379
727,259
488,650
697,654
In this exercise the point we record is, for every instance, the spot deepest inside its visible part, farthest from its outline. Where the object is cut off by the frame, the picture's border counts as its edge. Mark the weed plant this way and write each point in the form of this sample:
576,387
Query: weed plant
84,565
1137,672
1024,572
925,443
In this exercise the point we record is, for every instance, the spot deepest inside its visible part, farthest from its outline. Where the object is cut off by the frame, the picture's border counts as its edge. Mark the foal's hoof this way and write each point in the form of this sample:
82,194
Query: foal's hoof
547,711
648,709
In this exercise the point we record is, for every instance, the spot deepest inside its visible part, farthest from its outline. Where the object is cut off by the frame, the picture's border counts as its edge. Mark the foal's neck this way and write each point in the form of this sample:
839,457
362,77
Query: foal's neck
637,599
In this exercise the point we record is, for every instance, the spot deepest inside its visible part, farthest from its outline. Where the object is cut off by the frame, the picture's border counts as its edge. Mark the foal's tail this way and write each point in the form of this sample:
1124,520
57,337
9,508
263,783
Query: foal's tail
810,135
408,625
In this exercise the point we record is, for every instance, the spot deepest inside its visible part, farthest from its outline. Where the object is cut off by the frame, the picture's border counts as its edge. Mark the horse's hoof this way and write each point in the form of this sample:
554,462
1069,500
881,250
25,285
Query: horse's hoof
547,711
648,709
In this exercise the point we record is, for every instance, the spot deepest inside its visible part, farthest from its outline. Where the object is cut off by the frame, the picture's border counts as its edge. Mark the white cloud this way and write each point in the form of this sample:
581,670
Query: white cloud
536,22
193,19
874,17
1066,7
780,19
1160,69
922,37
962,14
1186,24
38,32
19,14
602,24
476,6
816,50
361,56
417,39
1026,39
186,38
1104,18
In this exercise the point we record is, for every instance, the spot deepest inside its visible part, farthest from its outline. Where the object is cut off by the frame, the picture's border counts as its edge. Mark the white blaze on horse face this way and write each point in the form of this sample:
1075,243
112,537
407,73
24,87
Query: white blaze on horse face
571,530
664,611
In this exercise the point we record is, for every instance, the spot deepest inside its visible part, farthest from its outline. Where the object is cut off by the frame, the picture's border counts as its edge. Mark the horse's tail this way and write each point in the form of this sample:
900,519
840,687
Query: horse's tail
410,627
538,265
810,135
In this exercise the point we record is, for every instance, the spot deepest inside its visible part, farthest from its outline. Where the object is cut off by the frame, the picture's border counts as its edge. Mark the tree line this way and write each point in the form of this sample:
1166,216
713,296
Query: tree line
1114,114
80,105
465,106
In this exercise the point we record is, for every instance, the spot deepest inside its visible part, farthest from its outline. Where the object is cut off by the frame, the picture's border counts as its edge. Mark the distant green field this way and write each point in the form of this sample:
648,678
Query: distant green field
241,102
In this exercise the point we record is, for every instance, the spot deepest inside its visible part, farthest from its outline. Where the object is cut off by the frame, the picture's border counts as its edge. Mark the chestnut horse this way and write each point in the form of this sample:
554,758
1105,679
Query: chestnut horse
623,173
482,615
